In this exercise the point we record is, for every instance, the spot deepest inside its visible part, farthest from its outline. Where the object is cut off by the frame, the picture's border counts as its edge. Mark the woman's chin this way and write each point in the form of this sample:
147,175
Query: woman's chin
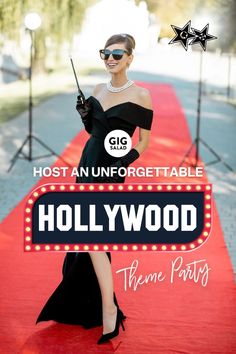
114,70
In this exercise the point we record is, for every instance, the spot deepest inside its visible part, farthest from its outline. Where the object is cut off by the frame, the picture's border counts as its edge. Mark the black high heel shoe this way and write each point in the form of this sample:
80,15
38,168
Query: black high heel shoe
119,321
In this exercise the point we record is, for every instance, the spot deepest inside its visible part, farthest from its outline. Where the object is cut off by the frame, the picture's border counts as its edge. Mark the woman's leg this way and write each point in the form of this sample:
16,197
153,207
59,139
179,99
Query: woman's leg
102,267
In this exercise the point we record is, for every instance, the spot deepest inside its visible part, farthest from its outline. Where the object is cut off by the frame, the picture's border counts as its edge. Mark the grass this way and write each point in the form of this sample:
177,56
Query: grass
15,95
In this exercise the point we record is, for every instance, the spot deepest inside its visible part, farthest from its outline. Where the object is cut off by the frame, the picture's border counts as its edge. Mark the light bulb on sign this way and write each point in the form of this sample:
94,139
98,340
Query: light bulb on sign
32,21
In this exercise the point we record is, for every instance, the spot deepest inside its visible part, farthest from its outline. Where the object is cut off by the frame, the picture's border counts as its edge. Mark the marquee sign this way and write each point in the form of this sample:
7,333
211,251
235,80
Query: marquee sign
117,217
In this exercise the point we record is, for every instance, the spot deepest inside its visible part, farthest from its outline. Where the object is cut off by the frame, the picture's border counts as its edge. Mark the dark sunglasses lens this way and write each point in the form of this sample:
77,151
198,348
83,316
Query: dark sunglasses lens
107,53
117,54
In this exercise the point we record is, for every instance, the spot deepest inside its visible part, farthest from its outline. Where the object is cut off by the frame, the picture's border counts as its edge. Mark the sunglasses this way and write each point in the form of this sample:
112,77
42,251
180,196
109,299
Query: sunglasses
116,53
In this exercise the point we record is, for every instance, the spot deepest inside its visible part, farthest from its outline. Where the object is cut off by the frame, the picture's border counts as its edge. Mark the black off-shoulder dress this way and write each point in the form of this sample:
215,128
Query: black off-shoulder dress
77,299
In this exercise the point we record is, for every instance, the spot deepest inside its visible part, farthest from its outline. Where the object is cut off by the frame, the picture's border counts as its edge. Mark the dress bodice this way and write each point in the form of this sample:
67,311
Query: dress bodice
125,116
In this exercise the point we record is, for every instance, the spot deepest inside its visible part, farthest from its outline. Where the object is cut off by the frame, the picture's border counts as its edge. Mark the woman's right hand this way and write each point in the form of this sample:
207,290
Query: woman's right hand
82,106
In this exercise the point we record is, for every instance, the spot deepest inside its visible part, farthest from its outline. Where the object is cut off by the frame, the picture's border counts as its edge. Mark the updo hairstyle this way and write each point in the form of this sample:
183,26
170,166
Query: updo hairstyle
125,38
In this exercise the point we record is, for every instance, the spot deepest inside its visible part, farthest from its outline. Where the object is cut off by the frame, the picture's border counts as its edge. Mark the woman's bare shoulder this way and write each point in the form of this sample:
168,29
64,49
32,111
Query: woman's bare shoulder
143,97
98,88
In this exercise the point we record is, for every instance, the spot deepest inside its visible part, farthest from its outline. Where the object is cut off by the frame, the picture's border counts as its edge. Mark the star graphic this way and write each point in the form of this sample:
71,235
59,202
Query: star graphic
202,37
182,35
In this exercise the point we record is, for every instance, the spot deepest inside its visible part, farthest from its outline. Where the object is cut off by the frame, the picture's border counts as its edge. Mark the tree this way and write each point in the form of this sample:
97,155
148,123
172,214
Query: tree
60,20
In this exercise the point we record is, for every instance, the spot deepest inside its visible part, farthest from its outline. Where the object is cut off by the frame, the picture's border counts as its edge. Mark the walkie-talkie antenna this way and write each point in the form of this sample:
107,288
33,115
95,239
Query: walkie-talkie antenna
76,79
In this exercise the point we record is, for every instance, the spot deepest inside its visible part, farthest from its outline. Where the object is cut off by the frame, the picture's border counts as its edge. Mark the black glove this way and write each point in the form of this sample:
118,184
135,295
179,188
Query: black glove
129,158
84,109
124,161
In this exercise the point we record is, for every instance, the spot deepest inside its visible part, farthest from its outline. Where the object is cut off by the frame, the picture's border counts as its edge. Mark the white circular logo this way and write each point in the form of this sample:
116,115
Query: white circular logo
117,143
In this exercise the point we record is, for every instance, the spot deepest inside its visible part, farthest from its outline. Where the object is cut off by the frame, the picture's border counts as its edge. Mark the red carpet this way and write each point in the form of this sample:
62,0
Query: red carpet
163,317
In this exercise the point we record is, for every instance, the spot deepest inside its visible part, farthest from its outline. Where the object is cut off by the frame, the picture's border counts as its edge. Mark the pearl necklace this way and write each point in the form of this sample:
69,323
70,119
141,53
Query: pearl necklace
121,88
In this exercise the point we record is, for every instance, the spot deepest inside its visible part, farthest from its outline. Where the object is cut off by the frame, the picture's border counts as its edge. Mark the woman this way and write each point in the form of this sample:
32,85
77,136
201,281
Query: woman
86,295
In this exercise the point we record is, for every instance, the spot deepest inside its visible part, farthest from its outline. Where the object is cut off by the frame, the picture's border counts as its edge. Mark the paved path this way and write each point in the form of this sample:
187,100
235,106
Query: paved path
56,123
